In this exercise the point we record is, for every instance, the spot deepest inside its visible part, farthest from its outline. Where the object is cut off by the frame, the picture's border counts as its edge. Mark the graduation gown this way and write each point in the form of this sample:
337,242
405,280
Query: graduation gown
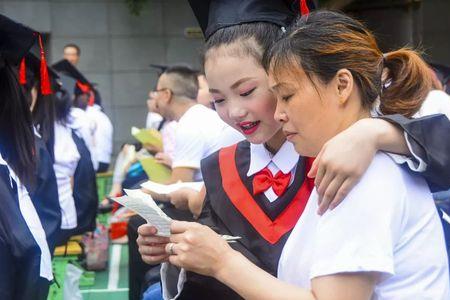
45,194
20,255
429,138
84,189
230,208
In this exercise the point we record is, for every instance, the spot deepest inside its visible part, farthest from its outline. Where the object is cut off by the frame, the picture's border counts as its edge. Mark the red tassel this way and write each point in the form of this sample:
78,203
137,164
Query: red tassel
23,72
84,87
304,10
46,88
91,98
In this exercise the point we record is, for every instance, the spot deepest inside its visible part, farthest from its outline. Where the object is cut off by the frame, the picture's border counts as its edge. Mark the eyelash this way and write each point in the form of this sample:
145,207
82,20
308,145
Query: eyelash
218,101
248,93
286,98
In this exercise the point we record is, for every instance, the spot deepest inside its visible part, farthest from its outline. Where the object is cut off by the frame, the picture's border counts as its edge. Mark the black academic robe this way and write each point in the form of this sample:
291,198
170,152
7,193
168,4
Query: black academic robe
19,252
429,138
45,195
230,208
84,189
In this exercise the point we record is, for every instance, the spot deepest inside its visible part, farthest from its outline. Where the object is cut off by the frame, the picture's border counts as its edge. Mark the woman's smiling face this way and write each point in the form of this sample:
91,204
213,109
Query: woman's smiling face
241,94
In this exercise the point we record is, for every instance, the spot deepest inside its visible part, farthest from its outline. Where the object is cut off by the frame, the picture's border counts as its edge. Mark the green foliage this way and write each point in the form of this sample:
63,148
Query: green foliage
135,6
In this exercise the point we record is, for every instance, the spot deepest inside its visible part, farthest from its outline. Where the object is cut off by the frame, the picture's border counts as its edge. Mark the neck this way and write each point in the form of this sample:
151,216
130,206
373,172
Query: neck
181,107
275,142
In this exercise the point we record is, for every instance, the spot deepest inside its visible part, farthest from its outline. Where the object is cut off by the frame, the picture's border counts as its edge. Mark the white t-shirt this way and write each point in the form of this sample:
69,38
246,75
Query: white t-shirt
387,224
84,128
66,161
103,134
168,133
200,132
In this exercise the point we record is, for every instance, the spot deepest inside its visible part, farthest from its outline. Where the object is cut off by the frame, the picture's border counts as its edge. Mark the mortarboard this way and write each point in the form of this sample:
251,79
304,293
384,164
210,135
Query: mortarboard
213,15
15,42
82,84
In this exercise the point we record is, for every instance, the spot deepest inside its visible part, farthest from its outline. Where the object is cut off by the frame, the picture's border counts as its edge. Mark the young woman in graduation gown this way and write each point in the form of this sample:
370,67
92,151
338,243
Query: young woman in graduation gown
25,259
73,163
231,205
385,241
45,192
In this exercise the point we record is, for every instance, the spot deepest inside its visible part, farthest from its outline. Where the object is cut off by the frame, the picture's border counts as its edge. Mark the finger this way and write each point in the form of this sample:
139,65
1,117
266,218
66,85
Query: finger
343,191
329,193
321,171
152,260
177,238
153,250
171,248
322,187
314,167
152,240
181,226
147,230
174,260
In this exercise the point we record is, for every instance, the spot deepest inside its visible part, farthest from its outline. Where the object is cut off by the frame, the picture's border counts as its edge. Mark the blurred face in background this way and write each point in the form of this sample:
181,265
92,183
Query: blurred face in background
204,97
72,55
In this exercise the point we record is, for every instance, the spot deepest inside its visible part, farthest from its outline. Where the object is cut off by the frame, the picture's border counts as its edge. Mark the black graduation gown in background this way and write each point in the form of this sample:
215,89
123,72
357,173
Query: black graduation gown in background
223,216
429,138
84,189
45,195
19,253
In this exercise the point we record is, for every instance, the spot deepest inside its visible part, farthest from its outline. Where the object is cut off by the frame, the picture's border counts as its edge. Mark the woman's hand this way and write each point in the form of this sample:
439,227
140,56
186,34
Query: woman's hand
151,247
180,198
197,248
342,162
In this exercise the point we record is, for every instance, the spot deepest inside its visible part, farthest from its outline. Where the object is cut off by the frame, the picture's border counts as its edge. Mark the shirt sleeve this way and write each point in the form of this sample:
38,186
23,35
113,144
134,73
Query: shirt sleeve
190,148
359,234
428,139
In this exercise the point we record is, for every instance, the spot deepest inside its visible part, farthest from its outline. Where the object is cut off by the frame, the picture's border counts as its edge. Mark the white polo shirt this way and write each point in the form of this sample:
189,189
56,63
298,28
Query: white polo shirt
103,134
387,224
200,132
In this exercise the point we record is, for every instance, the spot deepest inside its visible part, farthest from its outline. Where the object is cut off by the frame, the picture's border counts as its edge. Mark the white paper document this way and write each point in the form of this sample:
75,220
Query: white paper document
164,189
144,205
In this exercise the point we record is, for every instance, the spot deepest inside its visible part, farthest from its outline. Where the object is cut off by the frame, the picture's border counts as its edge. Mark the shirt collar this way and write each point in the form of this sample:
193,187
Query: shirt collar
285,159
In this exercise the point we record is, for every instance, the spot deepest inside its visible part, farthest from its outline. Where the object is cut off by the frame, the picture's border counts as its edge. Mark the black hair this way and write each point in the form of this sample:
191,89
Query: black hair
16,127
72,45
43,113
254,38
185,81
63,104
324,42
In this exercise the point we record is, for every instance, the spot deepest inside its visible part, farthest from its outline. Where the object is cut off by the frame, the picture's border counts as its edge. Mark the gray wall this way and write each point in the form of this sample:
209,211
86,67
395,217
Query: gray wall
116,47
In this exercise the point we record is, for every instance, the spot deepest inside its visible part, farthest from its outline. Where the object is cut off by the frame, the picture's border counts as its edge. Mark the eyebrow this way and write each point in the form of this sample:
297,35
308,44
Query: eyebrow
277,86
234,85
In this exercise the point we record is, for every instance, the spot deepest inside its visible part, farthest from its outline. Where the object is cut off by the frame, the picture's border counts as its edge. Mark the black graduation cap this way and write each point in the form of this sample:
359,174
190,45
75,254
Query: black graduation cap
159,68
213,15
15,40
65,67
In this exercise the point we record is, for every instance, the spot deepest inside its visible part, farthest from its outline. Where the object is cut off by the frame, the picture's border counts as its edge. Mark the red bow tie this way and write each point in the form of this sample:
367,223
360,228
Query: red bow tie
264,179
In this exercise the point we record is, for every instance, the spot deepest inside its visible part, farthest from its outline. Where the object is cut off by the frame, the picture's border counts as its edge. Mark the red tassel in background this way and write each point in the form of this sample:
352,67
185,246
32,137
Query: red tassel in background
46,88
23,72
304,10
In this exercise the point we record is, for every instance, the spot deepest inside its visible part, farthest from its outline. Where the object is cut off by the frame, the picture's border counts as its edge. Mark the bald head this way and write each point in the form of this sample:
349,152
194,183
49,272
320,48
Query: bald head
182,81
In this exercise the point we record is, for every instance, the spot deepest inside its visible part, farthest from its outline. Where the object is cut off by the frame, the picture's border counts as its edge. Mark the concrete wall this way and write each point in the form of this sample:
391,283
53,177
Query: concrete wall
116,47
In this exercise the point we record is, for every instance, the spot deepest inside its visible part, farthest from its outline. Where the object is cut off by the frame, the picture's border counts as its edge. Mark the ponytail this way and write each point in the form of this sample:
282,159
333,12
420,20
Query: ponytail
408,83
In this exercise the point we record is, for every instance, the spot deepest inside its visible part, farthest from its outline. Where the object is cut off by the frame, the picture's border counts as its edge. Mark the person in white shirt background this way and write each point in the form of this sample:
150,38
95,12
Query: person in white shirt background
380,243
103,134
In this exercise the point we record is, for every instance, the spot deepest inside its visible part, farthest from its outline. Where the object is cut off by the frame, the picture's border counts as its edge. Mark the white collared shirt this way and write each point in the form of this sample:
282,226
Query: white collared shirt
285,160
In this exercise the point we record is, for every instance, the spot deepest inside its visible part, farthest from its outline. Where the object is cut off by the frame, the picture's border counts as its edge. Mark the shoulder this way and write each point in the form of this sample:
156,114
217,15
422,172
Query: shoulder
437,102
381,189
212,160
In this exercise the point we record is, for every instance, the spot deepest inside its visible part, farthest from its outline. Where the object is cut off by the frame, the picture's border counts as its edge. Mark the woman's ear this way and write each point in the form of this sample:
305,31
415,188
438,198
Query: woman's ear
344,84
